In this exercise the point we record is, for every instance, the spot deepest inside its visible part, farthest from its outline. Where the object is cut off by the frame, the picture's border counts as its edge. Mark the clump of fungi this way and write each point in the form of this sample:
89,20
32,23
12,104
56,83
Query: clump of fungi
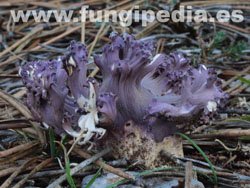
143,99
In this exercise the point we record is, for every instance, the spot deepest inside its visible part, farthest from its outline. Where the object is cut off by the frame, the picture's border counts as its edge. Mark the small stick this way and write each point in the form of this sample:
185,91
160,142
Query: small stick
188,174
224,133
9,76
15,173
96,39
79,167
95,71
7,171
22,147
106,166
51,173
234,111
13,126
240,89
230,90
230,160
83,33
233,27
16,156
37,168
24,110
102,38
235,77
46,43
180,160
20,41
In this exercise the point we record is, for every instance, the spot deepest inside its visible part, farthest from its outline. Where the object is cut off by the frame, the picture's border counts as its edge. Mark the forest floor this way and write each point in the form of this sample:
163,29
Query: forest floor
26,153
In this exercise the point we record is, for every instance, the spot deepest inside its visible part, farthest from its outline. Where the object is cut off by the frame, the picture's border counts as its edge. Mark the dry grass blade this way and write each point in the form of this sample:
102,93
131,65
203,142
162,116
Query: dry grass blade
24,110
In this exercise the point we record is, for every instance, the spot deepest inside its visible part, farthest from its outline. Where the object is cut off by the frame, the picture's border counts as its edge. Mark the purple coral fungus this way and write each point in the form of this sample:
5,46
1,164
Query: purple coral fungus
149,95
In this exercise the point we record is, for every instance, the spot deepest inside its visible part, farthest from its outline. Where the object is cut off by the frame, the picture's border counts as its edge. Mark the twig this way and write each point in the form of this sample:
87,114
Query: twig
18,148
15,173
51,173
9,76
23,109
230,160
188,175
79,167
16,156
235,111
46,43
224,134
37,168
106,167
235,77
179,160
20,41
13,126
94,72
240,89
7,171
83,33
